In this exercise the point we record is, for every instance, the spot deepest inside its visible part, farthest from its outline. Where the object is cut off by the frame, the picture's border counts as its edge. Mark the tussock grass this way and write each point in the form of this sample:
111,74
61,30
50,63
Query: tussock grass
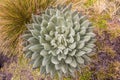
14,14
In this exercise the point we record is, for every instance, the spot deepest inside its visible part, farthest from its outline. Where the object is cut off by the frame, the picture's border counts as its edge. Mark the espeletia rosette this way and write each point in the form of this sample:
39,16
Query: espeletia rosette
59,41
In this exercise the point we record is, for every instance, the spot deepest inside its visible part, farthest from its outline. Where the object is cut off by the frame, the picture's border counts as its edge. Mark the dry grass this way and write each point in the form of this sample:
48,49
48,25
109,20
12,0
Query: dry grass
14,14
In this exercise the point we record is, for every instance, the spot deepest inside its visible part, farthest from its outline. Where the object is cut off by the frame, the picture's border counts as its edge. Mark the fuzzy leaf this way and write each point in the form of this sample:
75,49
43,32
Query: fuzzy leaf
42,70
80,60
57,66
45,61
35,55
54,60
48,38
87,38
66,51
50,26
33,40
35,33
43,53
26,36
80,53
37,63
68,60
72,53
72,46
88,50
29,54
81,45
73,63
36,47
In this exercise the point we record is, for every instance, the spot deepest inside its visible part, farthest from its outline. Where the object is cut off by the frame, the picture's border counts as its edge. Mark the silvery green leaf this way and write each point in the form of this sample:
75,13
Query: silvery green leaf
66,51
87,38
81,45
60,75
52,12
51,33
70,23
46,46
90,45
72,46
36,47
52,73
74,13
86,58
71,69
41,39
25,49
43,53
54,60
44,23
35,55
91,34
83,32
46,17
58,13
58,51
29,54
68,8
61,21
77,26
53,52
61,56
85,23
72,53
71,40
73,63
48,68
48,38
80,60
39,19
53,19
78,36
88,50
45,61
47,11
26,36
63,68
76,18
36,26
33,40
35,33
57,66
80,53
68,17
42,70
91,54
37,63
68,60
92,41
50,26
90,29
43,30
82,18
72,32
61,47
36,19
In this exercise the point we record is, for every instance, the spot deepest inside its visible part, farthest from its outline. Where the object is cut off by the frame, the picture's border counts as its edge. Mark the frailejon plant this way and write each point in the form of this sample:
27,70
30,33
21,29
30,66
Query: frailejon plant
59,41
